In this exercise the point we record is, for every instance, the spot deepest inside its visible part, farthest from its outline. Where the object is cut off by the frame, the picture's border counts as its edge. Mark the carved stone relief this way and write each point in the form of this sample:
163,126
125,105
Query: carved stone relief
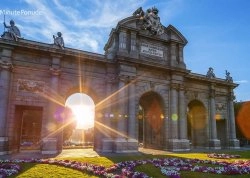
30,85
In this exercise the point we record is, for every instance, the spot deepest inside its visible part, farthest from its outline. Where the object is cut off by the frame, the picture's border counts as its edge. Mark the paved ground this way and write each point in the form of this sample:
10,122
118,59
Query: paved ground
88,153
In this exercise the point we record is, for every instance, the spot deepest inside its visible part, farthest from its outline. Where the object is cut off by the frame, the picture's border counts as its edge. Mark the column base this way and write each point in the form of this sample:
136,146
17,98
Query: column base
122,145
49,146
184,145
107,145
4,146
234,144
214,144
178,145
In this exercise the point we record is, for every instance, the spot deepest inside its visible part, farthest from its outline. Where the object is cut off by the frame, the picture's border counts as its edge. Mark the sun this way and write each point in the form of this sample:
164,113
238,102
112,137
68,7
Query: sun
84,116
83,109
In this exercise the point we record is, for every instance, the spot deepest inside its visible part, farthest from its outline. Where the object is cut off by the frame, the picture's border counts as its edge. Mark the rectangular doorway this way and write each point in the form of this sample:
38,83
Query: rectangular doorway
29,119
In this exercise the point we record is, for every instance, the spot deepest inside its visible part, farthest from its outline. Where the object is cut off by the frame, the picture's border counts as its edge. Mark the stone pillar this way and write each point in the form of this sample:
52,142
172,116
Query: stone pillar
5,80
173,61
173,142
123,46
133,47
121,138
132,137
52,143
185,143
108,142
181,61
233,141
213,141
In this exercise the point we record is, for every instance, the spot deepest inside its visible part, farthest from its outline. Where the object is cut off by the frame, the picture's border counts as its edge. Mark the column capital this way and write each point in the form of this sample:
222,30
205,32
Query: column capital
110,78
231,96
212,94
181,87
4,65
174,86
55,72
124,78
56,56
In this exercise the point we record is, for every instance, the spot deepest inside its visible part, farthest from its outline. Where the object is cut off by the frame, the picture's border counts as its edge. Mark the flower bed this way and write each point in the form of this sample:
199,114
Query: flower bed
170,167
8,169
222,156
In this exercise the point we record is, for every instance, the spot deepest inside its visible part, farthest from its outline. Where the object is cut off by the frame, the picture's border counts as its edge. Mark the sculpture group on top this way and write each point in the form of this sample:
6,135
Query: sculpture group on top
150,20
13,33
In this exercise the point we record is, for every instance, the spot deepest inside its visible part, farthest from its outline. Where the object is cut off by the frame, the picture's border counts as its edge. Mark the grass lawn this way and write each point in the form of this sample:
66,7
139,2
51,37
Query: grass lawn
36,170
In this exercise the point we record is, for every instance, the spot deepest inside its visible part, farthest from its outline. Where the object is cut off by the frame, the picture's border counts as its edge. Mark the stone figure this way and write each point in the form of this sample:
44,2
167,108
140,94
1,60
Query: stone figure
139,12
228,77
210,73
58,40
150,20
13,31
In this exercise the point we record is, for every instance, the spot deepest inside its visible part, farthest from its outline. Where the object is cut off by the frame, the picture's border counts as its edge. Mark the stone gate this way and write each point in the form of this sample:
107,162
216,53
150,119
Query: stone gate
143,92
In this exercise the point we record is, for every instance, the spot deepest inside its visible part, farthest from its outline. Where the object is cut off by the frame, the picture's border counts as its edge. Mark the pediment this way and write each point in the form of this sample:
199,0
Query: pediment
169,33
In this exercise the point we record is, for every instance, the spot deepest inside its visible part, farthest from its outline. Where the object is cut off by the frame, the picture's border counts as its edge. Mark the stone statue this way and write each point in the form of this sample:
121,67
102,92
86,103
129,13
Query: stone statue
210,73
58,40
228,77
150,20
13,31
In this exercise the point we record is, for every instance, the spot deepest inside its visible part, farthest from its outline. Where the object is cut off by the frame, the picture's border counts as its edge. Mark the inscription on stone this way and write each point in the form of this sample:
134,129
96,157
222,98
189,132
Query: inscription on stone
152,50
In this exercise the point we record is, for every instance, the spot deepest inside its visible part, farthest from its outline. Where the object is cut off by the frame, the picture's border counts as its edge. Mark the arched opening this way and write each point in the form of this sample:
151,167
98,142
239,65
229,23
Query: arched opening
79,123
197,124
150,125
27,127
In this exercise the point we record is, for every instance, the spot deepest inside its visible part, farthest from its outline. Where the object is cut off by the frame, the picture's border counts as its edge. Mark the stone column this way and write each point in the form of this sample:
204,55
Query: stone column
121,139
132,137
52,143
133,47
185,144
123,46
5,80
233,141
173,61
181,61
213,141
108,142
173,140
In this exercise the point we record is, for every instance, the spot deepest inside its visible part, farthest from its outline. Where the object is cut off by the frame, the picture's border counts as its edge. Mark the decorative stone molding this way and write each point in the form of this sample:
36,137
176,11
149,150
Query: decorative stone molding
220,106
231,96
30,85
55,71
212,93
124,78
174,86
6,65
110,78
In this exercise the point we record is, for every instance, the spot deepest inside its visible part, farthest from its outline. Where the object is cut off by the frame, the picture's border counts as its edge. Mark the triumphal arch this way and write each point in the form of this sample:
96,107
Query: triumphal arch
144,94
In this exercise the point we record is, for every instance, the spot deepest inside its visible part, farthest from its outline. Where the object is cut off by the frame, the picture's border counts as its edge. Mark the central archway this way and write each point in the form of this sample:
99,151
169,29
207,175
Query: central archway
80,129
151,127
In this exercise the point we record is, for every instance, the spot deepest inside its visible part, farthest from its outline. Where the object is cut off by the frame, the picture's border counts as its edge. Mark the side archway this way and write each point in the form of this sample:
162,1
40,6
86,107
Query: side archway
151,123
197,124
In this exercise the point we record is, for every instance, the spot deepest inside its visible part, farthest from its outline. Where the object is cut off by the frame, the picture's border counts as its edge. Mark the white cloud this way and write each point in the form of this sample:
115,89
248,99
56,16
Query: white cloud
241,81
84,24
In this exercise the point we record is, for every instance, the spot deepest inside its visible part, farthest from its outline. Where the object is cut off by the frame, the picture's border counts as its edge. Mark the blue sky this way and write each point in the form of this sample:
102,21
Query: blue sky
218,31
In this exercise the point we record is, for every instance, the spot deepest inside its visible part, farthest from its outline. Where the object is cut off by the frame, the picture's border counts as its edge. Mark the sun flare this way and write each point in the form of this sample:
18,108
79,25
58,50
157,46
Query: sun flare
83,109
84,116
